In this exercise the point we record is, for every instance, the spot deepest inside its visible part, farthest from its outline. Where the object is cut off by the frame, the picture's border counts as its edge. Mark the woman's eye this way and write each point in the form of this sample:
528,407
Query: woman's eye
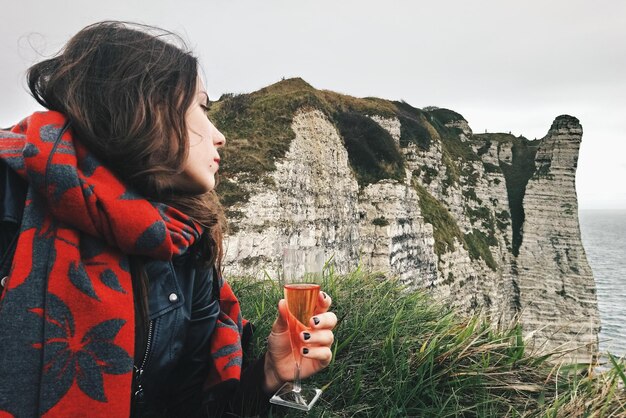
206,108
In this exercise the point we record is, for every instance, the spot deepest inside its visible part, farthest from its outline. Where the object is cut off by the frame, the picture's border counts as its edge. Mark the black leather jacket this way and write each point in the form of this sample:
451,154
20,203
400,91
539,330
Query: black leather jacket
183,309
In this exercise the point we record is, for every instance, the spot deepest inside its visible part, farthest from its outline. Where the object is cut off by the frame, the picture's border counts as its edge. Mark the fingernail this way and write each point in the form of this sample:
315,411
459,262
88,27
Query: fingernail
305,350
307,335
316,320
324,294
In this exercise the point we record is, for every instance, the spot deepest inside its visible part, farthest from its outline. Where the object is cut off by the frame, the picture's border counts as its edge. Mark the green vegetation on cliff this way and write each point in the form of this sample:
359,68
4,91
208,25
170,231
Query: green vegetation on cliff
371,150
399,354
414,127
478,247
423,127
445,115
445,228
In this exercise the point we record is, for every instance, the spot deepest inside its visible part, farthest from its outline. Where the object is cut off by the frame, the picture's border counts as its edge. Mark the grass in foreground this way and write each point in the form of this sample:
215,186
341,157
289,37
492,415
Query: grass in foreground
400,354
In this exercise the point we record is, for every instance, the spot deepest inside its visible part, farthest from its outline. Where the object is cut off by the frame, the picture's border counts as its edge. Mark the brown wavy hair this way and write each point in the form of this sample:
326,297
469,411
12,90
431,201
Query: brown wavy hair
125,91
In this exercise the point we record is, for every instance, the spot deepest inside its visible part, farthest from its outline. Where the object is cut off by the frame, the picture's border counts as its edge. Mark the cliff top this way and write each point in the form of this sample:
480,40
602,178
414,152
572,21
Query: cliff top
566,122
258,128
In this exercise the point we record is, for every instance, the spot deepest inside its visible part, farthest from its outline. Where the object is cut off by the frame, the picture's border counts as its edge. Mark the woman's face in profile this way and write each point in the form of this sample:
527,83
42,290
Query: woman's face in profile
204,140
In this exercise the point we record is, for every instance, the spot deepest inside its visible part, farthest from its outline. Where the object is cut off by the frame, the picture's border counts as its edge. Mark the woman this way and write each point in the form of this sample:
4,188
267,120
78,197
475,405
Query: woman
112,300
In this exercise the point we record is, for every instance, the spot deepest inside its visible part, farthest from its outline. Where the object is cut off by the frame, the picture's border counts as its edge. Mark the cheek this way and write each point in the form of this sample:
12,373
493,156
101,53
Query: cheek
197,157
204,153
198,125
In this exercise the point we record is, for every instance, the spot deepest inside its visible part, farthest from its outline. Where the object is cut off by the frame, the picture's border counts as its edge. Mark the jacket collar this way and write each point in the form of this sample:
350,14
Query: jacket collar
12,194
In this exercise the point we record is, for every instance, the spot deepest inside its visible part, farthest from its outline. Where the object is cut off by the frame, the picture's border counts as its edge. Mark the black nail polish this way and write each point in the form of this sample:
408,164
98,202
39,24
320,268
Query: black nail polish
316,320
306,335
305,350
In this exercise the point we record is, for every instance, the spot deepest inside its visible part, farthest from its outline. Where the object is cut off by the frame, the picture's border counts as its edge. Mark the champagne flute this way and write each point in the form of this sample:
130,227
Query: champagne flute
302,273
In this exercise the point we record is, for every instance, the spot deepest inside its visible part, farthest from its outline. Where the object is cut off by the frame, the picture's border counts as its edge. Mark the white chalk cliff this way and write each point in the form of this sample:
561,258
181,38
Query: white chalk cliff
486,222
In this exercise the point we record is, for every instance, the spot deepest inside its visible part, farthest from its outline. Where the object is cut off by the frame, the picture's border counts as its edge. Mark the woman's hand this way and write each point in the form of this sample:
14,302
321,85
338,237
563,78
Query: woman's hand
279,361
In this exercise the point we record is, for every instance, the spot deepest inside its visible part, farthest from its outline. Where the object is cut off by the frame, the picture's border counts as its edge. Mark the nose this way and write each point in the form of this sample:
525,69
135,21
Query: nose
219,138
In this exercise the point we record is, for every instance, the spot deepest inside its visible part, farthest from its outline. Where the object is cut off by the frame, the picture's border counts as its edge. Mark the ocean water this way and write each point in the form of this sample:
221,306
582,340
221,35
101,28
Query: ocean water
604,238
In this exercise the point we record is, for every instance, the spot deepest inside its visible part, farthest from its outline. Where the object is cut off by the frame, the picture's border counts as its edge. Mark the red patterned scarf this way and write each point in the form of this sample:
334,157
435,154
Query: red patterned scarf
66,315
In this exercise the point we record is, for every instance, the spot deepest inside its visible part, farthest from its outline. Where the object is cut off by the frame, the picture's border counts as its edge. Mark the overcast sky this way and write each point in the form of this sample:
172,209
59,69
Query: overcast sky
505,66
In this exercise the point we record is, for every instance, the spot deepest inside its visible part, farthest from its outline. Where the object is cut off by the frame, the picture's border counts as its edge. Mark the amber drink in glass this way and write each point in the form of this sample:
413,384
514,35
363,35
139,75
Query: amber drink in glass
301,275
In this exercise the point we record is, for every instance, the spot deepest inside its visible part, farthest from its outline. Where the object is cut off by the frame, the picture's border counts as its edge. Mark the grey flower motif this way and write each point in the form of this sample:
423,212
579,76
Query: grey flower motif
67,357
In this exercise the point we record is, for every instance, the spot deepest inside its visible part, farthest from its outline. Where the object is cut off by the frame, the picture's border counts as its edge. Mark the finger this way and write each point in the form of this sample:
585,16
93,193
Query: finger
322,354
318,337
323,302
281,324
326,320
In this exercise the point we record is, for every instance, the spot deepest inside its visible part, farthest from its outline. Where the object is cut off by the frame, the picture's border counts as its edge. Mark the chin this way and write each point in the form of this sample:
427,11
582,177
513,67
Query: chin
198,184
202,189
197,188
208,186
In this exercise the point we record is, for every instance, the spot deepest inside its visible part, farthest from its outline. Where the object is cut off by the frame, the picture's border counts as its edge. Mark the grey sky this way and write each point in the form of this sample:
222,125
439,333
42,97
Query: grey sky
505,66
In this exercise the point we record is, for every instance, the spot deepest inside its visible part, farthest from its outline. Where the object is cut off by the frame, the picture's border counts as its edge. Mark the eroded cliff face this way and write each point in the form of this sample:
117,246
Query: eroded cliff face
309,200
488,222
556,284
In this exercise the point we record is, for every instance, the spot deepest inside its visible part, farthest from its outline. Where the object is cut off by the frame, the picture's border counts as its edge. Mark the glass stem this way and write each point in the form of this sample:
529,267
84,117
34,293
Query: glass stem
297,387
